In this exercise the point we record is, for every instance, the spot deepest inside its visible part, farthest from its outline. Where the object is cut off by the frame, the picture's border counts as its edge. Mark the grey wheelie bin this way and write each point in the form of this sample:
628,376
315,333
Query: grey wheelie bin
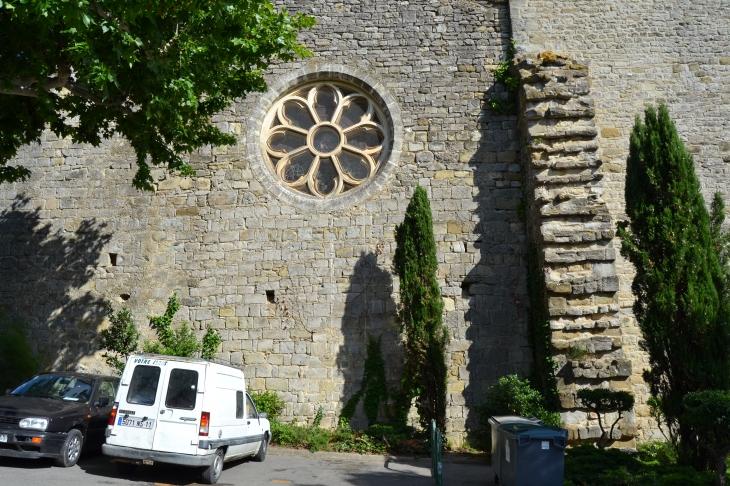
527,452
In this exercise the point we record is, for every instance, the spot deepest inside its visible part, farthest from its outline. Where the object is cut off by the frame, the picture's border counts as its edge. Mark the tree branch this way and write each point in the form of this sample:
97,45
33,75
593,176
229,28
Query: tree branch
82,91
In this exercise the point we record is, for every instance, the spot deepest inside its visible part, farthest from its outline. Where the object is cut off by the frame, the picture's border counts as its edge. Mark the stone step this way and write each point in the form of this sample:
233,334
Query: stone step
567,146
545,177
574,255
565,205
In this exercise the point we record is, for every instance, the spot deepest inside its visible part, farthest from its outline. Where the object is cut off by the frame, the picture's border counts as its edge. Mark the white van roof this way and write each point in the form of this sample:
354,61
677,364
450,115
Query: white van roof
183,360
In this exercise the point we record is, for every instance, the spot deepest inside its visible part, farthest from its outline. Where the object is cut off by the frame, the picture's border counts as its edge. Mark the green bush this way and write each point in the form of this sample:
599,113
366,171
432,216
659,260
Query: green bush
121,338
512,396
269,402
586,465
17,360
657,452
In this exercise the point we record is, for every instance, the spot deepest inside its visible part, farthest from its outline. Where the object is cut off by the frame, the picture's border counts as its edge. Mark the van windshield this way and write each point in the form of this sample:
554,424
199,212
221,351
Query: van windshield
143,388
58,387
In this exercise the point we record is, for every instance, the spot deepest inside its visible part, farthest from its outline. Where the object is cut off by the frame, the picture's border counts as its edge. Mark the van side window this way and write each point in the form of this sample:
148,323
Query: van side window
182,389
239,404
252,414
143,388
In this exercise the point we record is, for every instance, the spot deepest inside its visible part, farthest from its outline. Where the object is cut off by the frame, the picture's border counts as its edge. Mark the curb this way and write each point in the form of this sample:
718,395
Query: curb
354,457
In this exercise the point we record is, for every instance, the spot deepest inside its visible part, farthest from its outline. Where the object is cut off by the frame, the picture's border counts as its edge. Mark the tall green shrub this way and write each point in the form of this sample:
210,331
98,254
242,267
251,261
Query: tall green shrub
121,338
420,316
681,289
18,362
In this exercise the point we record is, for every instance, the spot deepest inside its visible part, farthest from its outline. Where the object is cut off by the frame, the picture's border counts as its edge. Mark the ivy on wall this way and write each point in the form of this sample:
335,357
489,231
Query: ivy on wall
538,324
508,105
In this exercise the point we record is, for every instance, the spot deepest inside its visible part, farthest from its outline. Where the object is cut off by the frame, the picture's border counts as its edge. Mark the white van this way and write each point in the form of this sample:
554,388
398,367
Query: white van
185,411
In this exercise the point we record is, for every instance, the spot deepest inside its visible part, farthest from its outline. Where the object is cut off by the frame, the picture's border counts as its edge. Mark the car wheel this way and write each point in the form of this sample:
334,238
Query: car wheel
261,454
126,468
71,449
212,473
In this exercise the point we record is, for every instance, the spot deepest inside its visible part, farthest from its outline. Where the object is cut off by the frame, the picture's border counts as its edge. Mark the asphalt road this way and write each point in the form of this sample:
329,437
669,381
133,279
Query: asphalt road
94,468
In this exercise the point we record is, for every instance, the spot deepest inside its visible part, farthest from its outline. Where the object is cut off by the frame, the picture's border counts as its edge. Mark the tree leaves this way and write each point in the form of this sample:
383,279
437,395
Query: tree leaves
153,72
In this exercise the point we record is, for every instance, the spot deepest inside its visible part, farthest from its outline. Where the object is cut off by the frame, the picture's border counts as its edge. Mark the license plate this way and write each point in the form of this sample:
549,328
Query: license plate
144,424
3,438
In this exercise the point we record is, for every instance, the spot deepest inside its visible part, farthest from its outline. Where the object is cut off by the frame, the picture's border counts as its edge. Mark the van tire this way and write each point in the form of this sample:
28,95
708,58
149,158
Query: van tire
261,454
126,468
212,473
71,449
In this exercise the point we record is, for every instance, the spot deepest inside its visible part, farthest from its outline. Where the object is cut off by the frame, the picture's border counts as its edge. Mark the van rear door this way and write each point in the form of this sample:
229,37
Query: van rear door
139,399
180,407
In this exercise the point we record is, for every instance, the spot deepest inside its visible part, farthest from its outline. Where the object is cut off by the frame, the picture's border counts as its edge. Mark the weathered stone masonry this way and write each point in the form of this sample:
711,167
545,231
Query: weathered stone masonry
294,289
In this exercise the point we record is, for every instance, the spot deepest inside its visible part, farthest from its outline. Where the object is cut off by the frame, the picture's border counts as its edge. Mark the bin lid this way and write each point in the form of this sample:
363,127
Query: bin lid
532,427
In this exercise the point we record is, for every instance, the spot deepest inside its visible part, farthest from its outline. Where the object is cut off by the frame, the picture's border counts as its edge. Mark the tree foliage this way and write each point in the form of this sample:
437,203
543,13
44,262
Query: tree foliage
155,72
420,316
707,413
680,255
603,401
18,361
120,339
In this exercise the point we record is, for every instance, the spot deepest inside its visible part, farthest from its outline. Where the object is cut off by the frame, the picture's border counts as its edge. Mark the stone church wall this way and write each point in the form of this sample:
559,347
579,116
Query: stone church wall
294,291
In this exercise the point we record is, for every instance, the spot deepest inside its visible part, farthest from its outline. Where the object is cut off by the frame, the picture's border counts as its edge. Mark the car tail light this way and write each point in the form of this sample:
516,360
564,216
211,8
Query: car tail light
113,415
204,424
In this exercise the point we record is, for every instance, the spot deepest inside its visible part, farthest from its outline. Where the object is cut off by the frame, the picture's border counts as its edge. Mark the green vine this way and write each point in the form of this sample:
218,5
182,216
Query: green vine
505,106
538,321
373,388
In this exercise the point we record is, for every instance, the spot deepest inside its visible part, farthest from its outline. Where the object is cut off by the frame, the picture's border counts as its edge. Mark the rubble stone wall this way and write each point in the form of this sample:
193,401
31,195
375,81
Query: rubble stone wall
635,53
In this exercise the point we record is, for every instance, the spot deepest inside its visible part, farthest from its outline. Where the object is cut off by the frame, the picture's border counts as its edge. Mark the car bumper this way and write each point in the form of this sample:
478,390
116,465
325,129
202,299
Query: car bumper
19,444
139,455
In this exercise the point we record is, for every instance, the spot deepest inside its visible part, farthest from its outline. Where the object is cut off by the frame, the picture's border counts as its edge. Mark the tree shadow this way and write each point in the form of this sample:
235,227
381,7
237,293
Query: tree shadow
369,308
495,290
46,282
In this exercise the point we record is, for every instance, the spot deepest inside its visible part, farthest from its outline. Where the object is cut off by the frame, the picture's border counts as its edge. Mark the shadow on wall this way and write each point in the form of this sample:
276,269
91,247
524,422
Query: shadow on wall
369,307
495,288
46,275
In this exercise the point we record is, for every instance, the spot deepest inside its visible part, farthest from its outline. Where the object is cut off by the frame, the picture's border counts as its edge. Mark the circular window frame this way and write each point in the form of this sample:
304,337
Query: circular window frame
310,75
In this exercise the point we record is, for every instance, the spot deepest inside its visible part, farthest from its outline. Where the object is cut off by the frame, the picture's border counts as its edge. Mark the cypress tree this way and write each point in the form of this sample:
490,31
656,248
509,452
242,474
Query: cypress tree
420,316
681,278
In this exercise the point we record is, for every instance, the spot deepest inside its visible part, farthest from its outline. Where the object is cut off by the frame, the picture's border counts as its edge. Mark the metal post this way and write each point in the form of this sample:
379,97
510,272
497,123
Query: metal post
436,454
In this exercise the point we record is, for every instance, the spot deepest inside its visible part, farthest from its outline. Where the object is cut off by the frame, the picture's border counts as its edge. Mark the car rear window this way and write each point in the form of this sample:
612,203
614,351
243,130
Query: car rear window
143,388
182,389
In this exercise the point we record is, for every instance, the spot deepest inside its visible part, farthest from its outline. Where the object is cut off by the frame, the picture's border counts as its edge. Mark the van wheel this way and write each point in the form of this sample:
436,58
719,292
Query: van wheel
261,454
126,468
71,449
212,473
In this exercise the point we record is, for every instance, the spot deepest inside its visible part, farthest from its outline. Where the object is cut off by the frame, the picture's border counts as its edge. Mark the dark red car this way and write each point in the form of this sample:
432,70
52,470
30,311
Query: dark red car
56,415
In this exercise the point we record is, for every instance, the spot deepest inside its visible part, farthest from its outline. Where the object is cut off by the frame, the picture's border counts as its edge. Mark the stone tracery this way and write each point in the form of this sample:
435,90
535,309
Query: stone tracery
325,138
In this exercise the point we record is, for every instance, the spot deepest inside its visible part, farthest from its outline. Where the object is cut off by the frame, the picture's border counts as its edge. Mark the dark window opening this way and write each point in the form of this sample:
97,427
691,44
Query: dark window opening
239,404
271,297
182,389
465,289
113,259
143,388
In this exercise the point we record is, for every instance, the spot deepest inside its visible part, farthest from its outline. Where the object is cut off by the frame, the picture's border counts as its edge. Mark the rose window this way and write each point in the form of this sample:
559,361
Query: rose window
324,139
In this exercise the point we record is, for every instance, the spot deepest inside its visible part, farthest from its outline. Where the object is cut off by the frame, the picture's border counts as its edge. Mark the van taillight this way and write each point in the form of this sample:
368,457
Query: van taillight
113,415
204,423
